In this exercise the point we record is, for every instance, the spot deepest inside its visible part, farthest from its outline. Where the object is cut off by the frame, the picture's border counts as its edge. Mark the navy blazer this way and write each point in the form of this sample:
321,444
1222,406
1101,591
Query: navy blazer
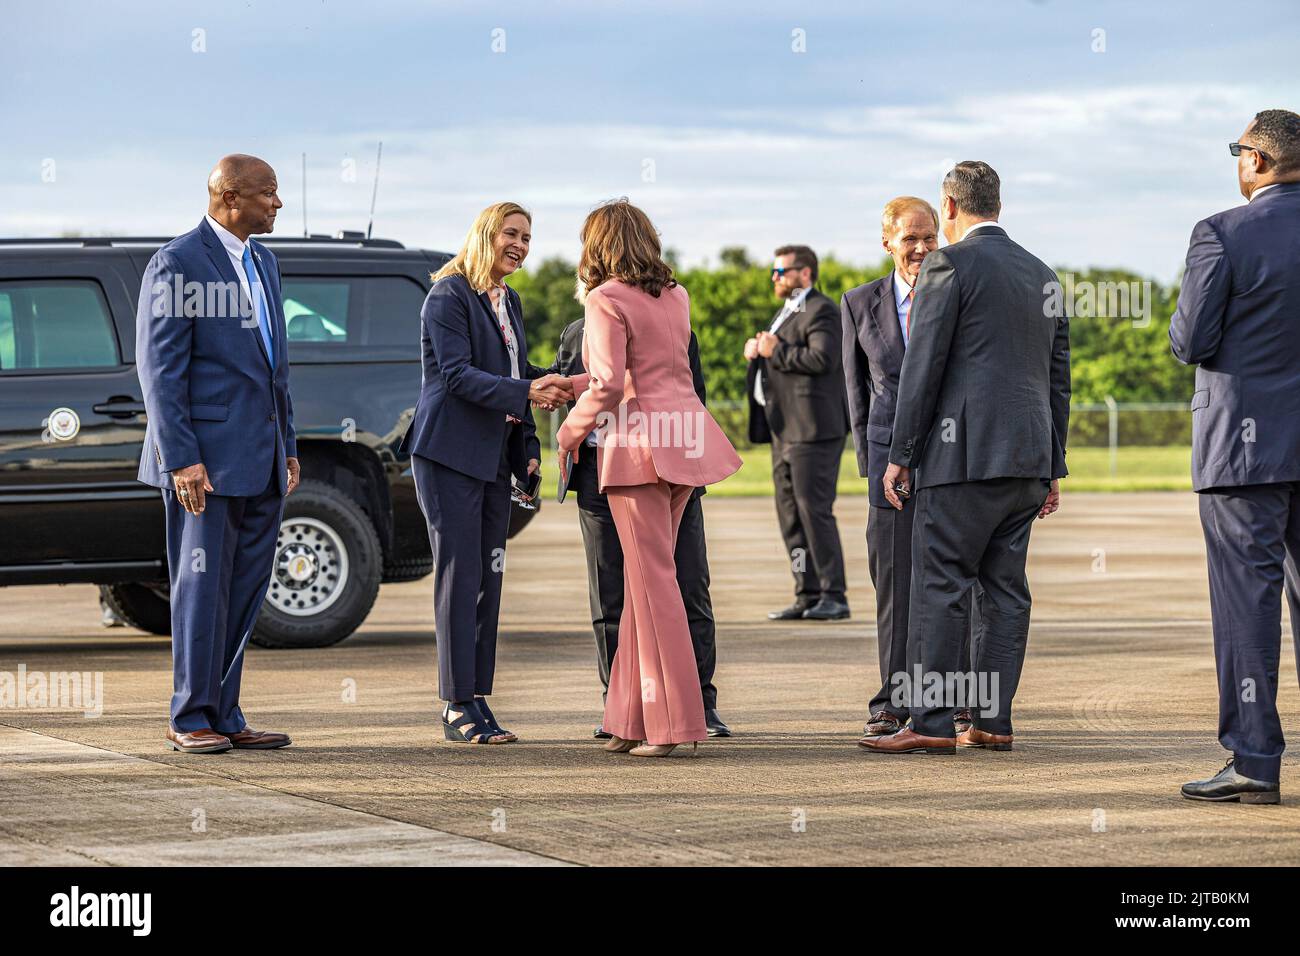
466,390
873,361
1238,317
212,393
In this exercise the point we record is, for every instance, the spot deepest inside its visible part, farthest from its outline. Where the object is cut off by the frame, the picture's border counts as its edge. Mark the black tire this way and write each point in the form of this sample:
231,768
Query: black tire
320,521
410,570
139,605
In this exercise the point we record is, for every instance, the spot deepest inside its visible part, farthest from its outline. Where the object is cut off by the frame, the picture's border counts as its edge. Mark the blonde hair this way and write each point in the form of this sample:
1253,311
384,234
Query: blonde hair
474,261
619,242
896,207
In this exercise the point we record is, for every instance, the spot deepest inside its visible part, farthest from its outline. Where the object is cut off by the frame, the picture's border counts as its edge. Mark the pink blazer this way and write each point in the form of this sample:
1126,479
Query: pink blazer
639,394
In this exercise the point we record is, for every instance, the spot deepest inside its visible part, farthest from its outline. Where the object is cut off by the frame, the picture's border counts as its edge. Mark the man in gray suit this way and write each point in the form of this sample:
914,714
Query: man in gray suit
1238,317
983,412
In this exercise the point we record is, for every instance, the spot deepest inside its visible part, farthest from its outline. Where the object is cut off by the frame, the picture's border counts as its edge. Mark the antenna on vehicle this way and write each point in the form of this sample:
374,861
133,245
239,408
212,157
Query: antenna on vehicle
375,192
304,195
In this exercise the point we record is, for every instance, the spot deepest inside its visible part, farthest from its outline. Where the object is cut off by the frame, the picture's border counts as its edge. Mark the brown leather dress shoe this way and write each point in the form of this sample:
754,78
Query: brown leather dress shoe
250,739
205,741
881,724
974,737
909,742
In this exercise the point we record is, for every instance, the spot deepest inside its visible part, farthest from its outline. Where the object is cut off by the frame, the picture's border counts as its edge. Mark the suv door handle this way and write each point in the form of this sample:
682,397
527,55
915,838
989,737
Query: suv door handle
119,406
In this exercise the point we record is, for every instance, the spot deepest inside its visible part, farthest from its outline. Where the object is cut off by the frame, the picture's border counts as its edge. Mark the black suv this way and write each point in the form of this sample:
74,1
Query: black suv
72,427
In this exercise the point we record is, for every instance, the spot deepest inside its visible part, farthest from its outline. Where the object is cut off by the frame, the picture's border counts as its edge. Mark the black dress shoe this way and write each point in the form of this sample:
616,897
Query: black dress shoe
827,610
600,733
791,613
1227,785
716,727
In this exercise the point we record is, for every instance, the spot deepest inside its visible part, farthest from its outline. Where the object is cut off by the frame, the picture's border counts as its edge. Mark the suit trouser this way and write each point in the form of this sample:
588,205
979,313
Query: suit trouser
805,475
219,564
964,533
889,561
1252,545
605,577
468,523
654,690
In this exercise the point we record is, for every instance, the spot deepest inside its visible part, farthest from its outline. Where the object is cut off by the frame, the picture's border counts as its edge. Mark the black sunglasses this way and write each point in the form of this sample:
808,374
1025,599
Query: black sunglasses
782,270
1236,148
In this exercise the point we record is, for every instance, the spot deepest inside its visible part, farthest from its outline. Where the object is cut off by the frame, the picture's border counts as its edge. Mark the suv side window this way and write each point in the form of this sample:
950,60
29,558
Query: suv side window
316,310
352,318
393,312
55,324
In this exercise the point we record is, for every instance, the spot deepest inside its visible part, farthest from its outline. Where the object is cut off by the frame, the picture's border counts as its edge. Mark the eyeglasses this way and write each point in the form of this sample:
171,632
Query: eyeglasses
1236,148
780,271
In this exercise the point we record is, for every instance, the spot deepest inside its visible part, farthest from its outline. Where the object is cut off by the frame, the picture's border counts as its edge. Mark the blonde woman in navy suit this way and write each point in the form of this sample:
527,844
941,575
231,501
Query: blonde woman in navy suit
472,431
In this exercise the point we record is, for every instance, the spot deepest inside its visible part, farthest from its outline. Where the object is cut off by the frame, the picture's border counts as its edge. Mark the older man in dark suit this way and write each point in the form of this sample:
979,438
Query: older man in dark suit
877,327
983,411
1238,318
796,402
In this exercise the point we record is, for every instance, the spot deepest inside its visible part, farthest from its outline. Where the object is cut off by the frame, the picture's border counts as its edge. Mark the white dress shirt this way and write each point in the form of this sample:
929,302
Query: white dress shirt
235,247
978,225
901,292
792,305
1260,191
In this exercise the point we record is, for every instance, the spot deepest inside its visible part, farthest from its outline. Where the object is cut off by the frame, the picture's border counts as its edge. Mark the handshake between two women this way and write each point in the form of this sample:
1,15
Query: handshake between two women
550,391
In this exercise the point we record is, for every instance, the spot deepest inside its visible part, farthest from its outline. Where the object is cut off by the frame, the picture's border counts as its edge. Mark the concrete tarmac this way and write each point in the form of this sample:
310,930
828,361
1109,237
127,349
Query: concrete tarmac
1117,707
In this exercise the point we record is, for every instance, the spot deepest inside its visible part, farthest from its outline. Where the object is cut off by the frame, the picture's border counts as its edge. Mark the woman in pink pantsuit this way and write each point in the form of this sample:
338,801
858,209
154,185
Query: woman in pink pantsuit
656,444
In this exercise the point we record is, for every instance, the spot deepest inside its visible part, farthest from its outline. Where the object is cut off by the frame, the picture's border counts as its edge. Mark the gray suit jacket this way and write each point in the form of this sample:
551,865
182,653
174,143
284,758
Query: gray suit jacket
1238,316
873,359
985,387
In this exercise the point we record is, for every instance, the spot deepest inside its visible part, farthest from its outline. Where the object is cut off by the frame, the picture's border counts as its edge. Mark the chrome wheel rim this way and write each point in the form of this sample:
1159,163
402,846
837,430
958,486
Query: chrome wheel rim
311,567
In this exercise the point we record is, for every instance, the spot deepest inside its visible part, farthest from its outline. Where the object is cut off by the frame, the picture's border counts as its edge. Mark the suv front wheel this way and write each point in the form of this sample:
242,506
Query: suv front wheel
325,577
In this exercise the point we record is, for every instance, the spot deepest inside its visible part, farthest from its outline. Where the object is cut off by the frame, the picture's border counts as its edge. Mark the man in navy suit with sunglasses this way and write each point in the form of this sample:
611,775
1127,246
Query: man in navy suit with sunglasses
1238,319
210,353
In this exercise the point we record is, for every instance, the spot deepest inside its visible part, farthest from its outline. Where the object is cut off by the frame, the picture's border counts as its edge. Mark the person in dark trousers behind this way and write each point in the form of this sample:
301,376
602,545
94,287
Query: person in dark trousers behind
795,386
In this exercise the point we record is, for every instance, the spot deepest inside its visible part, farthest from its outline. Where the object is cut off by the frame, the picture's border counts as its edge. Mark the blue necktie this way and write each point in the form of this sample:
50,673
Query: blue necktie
259,304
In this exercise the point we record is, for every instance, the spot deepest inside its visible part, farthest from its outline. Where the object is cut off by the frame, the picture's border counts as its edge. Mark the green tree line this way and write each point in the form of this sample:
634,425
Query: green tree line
1119,329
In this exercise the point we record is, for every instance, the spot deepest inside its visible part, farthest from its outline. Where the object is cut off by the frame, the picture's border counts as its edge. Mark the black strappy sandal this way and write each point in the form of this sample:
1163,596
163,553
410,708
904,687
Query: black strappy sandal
492,720
464,723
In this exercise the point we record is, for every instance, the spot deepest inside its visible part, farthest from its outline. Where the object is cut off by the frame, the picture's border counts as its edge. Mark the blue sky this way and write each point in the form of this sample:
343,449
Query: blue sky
704,113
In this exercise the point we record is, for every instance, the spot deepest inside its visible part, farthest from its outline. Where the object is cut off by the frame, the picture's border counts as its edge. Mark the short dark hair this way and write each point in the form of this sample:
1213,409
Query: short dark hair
804,258
1278,134
975,188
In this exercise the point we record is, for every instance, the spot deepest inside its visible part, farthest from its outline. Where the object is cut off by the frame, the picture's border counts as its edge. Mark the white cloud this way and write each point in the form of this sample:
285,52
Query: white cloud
1113,176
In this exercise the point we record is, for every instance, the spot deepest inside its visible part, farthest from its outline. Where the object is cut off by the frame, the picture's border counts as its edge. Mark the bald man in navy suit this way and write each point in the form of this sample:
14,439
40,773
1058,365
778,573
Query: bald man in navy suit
219,443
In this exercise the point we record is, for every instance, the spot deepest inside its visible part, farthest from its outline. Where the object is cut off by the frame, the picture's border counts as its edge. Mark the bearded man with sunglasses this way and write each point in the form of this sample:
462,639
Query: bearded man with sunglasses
797,402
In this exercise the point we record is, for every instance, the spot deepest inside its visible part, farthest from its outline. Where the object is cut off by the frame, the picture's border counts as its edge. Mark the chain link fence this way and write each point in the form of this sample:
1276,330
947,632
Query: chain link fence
1108,425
